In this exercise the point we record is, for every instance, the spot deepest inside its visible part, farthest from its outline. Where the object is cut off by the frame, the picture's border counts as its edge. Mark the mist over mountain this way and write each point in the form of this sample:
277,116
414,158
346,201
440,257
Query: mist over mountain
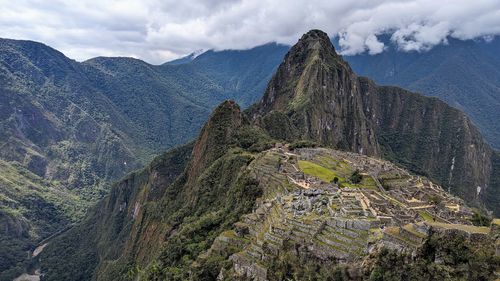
75,134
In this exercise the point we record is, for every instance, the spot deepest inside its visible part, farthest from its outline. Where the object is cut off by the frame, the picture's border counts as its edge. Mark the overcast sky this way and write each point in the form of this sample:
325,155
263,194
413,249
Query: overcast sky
158,31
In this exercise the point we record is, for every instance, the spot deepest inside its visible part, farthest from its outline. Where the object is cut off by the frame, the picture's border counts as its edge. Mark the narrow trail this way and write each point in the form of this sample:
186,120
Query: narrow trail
34,272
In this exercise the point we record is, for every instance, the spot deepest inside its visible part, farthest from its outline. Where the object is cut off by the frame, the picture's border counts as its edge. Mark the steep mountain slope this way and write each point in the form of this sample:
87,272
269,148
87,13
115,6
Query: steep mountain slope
245,206
465,74
80,126
316,93
155,217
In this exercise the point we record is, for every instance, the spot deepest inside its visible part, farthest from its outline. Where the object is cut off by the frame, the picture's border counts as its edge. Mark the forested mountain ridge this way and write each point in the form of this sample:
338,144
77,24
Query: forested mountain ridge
69,129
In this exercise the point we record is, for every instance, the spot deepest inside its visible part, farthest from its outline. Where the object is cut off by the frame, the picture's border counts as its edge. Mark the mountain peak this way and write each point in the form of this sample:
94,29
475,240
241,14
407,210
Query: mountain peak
216,136
315,35
316,93
317,45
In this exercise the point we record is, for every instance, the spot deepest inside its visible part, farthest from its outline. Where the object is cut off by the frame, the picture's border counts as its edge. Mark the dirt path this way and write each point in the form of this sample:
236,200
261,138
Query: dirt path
29,277
35,275
38,250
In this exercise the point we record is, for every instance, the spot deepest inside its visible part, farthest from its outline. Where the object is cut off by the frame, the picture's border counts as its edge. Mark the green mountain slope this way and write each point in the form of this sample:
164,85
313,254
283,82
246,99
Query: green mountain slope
81,126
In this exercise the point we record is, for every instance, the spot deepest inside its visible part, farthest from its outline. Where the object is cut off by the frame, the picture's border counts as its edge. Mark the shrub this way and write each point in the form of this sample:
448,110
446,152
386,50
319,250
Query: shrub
356,177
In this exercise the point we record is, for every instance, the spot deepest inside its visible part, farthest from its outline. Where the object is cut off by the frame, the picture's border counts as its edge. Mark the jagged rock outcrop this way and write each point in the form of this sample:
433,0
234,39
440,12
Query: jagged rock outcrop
315,95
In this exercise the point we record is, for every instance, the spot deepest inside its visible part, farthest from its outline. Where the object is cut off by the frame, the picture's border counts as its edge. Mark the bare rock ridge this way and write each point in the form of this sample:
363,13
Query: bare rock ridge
315,95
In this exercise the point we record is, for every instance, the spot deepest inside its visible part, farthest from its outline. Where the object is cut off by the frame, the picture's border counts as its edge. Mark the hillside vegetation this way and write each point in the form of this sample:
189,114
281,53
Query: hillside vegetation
77,127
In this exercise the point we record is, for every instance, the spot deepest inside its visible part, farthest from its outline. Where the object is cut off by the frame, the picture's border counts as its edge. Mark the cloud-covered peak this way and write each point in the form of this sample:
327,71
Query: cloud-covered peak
157,31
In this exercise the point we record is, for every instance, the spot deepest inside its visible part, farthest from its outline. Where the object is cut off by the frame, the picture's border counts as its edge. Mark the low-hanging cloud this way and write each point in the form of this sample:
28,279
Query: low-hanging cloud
157,31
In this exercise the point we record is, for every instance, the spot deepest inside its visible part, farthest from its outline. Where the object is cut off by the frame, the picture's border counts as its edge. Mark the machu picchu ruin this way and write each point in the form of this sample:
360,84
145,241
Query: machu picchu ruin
339,220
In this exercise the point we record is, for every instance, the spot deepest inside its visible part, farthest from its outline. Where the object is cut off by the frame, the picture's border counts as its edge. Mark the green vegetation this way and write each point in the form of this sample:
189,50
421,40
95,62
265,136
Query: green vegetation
254,139
467,228
459,259
356,177
327,169
335,180
21,225
302,144
316,170
480,219
426,216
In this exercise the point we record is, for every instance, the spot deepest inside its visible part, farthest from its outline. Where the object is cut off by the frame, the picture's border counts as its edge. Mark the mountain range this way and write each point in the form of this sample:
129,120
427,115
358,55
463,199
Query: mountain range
255,198
70,129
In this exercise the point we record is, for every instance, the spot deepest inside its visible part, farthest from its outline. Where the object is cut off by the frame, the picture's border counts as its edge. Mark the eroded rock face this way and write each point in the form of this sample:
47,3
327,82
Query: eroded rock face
319,95
428,136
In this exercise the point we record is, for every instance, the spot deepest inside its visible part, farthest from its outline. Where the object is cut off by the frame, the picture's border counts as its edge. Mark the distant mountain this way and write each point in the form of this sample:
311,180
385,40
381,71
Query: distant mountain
183,60
465,74
261,194
244,74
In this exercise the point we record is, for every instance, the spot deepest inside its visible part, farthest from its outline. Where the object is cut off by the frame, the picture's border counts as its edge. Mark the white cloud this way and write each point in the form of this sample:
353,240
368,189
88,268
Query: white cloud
157,31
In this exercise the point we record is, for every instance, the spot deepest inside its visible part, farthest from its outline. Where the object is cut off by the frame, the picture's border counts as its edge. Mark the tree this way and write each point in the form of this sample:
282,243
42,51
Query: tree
356,177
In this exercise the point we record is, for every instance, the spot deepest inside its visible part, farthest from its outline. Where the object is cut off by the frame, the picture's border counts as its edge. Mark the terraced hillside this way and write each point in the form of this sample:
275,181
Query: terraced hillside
341,221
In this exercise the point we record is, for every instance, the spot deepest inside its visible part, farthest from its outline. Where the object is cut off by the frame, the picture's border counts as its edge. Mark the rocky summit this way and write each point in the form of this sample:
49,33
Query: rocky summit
328,177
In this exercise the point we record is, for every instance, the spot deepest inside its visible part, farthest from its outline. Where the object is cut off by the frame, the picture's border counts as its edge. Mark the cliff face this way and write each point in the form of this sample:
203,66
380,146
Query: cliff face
158,213
428,136
318,97
315,95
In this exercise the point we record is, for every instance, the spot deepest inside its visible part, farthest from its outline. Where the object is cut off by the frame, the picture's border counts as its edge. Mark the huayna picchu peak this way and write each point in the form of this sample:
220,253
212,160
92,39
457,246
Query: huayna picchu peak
328,177
315,91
